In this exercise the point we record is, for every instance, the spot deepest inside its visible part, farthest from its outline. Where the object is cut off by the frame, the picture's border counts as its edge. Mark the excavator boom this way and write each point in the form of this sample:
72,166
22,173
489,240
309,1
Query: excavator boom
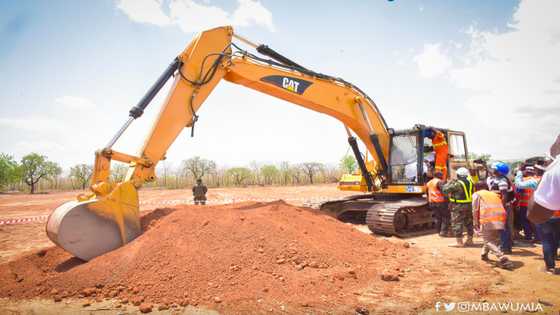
112,209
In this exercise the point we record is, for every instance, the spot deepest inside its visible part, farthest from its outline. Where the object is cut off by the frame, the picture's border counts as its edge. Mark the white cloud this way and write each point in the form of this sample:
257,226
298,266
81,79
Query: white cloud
191,16
511,74
74,102
32,124
144,11
39,146
250,11
432,61
65,130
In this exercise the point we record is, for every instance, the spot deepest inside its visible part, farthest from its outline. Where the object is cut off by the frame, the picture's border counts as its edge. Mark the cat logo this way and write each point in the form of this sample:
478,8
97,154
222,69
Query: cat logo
293,85
290,84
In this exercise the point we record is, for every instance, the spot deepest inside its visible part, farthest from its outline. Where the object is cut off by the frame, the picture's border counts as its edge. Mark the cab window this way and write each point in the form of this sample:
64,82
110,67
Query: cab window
404,158
457,146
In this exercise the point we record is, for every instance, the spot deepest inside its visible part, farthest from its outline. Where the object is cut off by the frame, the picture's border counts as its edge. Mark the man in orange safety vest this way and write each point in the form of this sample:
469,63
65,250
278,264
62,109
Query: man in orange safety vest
489,216
438,204
441,150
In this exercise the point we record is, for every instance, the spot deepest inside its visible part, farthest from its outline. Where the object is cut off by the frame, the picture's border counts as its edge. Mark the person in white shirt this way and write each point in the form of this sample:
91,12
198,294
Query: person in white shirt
544,210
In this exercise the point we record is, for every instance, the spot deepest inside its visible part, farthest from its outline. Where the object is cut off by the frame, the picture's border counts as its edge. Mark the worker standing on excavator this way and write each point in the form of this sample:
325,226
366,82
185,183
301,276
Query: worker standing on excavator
199,192
442,152
460,193
438,204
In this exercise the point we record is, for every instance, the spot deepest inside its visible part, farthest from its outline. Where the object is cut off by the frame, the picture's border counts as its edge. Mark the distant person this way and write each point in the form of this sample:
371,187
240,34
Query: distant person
460,193
489,216
199,192
438,204
544,210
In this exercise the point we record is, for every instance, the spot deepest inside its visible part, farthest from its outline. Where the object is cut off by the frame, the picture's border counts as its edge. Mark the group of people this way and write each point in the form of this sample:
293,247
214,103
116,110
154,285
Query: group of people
495,207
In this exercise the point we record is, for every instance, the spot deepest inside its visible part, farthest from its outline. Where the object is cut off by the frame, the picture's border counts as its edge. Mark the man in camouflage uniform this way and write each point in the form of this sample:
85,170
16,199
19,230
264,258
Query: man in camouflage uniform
459,192
199,192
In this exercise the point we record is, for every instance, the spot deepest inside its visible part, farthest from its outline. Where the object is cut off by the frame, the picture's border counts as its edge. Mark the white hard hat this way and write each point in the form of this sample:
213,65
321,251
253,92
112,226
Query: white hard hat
463,172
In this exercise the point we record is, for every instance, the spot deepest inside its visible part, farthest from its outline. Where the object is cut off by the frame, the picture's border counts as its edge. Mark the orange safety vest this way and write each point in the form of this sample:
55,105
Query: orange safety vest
434,194
441,153
492,212
524,195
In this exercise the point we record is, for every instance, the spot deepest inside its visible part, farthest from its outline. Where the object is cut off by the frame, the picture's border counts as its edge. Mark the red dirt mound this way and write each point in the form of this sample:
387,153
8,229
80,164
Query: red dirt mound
250,257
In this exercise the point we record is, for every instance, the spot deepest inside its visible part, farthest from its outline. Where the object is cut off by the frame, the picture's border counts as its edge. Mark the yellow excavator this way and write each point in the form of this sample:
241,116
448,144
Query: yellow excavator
394,178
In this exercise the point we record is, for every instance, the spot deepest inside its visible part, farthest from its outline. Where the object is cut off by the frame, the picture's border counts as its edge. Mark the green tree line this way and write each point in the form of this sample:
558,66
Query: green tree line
36,173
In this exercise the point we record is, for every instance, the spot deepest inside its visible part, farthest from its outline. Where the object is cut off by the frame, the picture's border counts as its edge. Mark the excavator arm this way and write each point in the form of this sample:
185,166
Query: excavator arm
108,216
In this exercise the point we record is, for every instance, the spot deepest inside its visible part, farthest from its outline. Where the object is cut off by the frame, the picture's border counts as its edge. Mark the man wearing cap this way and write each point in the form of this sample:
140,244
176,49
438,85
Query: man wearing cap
459,192
544,209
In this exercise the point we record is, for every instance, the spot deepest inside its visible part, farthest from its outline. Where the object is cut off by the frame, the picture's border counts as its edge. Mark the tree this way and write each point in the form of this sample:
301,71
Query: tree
269,173
310,169
9,171
286,172
198,166
332,173
35,167
255,167
81,173
238,174
483,157
118,172
348,164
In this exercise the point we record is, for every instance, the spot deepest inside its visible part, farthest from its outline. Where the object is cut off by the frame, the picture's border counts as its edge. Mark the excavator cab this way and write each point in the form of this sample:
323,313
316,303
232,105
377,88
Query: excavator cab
412,156
399,206
412,162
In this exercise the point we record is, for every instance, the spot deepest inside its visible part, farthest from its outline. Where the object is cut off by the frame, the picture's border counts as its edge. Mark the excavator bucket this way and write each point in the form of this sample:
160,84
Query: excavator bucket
98,223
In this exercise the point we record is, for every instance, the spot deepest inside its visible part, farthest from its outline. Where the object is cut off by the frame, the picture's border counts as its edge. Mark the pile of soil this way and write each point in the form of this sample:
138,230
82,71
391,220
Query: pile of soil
253,257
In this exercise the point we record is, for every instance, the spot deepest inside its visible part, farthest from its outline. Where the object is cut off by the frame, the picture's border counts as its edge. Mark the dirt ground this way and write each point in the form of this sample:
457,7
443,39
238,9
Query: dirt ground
437,273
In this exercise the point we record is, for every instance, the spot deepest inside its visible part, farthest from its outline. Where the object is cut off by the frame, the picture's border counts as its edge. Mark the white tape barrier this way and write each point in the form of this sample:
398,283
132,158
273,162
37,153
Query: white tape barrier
39,218
190,201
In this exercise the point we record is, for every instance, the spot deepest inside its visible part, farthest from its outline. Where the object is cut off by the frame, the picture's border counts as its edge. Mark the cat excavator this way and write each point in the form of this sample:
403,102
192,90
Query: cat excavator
392,181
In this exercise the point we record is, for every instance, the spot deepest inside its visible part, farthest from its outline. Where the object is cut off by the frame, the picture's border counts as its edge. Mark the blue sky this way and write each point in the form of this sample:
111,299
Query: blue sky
72,69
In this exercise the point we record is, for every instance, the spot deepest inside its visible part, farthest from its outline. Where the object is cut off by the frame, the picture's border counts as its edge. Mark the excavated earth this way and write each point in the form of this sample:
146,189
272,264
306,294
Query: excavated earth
240,258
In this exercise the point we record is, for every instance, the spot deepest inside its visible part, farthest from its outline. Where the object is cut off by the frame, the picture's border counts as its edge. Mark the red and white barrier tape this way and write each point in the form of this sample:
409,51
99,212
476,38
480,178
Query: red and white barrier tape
39,218
44,217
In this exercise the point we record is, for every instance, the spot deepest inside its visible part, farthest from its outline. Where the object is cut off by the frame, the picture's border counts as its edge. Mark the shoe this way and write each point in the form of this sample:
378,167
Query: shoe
505,263
484,257
458,242
469,242
507,251
550,271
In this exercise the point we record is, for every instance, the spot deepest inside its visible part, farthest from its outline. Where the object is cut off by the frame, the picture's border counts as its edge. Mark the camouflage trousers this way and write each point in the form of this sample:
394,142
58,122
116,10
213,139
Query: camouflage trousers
461,218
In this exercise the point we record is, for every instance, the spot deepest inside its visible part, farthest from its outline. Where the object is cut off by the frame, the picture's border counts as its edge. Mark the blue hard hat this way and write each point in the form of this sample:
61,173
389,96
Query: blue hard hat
501,167
428,133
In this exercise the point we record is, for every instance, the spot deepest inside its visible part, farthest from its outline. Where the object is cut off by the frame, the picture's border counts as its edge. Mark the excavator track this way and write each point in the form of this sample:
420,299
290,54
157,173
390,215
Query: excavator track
404,218
386,216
